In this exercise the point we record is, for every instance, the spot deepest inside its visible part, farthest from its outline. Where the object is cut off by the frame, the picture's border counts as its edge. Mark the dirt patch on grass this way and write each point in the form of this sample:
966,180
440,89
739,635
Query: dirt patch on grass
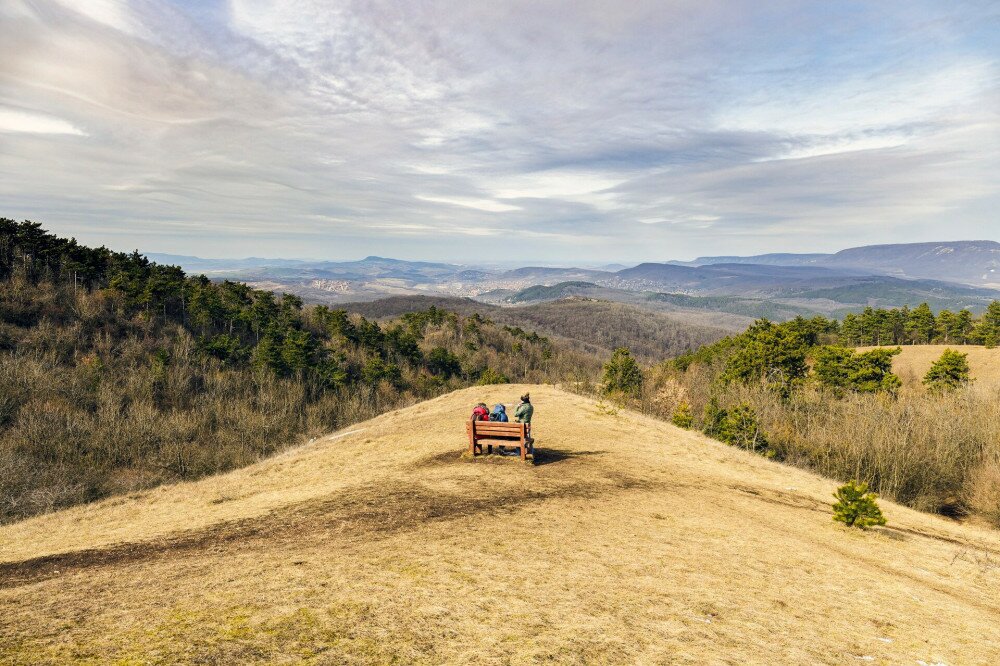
369,511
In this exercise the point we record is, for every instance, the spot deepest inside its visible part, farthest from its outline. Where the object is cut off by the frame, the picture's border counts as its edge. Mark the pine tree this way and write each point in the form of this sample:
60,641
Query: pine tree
921,324
962,326
682,416
948,372
741,428
491,376
840,368
622,373
856,507
945,324
768,352
297,350
442,362
989,325
850,330
267,354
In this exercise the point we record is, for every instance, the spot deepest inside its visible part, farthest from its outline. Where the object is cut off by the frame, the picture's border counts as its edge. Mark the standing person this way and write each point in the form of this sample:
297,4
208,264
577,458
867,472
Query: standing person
523,415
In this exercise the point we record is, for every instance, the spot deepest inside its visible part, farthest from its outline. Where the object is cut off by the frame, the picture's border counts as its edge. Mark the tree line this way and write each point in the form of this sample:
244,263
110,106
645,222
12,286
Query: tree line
903,326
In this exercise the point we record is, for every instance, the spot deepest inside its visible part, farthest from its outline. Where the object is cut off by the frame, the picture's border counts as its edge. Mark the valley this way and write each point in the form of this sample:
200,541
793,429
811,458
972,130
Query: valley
727,292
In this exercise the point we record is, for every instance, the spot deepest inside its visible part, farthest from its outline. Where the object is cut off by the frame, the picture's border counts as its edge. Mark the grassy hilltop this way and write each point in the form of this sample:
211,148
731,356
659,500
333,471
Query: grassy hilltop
634,541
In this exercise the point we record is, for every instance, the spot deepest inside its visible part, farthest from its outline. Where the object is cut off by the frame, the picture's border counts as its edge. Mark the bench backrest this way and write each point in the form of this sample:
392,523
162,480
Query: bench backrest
496,428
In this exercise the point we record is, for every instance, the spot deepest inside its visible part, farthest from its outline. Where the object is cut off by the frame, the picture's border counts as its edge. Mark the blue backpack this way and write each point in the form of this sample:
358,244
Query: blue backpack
499,413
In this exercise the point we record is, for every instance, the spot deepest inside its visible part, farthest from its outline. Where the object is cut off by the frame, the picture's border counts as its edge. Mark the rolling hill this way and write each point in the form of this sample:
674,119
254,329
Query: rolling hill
630,541
593,326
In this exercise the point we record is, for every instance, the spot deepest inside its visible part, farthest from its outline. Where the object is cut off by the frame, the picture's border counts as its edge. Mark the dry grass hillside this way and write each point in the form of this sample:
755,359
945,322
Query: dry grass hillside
630,542
915,360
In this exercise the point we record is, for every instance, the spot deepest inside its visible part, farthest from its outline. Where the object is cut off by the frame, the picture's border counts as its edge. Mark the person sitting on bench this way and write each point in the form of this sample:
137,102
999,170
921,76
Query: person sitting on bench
481,412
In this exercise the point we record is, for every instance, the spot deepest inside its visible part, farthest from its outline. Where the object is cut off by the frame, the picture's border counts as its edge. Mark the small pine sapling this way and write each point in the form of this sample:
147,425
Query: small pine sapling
856,507
683,418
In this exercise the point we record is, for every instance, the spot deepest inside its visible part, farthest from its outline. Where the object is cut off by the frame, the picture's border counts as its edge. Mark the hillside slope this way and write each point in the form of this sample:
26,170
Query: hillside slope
630,541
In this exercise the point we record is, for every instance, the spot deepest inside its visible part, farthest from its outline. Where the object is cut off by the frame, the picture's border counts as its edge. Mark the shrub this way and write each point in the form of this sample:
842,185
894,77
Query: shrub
856,507
682,416
491,376
948,372
868,372
741,428
622,374
982,493
738,426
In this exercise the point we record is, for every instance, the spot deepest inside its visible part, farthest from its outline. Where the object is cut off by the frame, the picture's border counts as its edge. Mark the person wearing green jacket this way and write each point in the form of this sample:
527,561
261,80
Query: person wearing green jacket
523,415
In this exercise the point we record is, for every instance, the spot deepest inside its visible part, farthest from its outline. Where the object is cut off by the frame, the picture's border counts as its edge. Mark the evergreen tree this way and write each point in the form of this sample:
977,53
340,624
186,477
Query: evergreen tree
989,325
297,351
741,428
921,325
267,354
377,370
856,507
767,352
948,372
897,319
962,326
945,324
850,330
622,373
683,418
442,362
491,376
867,372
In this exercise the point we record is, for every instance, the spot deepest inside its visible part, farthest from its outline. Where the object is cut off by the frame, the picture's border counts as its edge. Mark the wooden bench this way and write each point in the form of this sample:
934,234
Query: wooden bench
497,432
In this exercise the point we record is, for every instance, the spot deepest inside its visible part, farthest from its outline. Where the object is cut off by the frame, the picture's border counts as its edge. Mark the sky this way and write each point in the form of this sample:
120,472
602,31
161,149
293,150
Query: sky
564,132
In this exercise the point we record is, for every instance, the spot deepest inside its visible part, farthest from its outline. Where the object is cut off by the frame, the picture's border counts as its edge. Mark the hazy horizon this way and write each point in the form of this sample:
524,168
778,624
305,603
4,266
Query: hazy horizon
514,262
561,133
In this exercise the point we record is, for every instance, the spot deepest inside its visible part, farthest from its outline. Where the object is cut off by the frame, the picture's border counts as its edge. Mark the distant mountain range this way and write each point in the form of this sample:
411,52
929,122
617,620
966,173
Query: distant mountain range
945,275
970,262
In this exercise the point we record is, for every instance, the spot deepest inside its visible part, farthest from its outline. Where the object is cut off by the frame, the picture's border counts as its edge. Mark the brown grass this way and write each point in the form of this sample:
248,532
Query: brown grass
631,542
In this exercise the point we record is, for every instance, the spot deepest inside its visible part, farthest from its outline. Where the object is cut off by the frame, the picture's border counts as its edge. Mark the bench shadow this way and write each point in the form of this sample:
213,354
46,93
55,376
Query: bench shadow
550,456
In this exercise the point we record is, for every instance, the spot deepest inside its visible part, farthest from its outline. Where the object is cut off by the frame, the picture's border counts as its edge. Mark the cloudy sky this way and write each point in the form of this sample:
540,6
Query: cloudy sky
567,132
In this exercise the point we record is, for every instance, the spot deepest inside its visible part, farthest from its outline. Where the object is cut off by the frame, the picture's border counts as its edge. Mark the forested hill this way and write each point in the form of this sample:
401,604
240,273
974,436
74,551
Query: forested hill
118,373
590,325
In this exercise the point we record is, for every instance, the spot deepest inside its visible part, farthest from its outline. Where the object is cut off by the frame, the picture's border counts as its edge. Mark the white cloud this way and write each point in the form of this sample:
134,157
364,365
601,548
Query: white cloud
382,127
479,204
12,120
112,13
